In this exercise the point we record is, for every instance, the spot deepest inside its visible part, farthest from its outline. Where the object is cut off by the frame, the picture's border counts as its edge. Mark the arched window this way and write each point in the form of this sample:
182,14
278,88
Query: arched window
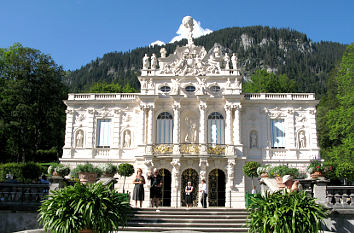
216,128
164,130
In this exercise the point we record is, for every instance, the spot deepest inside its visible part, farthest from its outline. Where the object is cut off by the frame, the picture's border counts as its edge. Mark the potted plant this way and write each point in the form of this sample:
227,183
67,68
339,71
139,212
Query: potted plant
109,170
125,169
285,212
315,168
84,208
263,171
58,170
86,173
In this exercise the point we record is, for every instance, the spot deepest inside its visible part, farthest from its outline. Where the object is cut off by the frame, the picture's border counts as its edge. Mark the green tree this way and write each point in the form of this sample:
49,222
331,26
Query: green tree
32,114
103,87
125,169
340,119
262,81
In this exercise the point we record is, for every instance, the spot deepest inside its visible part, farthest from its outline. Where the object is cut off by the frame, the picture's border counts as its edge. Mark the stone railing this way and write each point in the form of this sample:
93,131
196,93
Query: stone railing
279,96
340,197
22,196
102,96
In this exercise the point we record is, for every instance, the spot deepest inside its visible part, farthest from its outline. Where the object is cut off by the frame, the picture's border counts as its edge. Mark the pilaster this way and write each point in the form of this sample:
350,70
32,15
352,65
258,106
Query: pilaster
175,185
202,136
176,127
237,128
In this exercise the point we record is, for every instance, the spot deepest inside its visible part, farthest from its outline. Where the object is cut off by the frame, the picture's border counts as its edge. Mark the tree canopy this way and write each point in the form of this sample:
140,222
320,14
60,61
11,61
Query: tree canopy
32,114
263,81
104,87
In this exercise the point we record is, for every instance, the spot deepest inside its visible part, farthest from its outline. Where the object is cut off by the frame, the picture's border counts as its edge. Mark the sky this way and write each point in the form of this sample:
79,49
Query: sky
75,32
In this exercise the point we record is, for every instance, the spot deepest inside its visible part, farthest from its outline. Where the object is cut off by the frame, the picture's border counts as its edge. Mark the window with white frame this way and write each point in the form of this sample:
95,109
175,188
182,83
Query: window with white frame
278,133
103,133
216,128
164,130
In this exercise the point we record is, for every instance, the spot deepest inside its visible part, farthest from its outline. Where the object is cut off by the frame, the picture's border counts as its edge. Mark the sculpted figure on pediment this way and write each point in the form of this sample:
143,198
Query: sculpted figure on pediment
234,61
227,61
146,62
153,61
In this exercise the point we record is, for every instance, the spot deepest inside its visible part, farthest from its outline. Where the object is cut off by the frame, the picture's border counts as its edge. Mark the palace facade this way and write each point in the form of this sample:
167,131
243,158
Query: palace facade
192,122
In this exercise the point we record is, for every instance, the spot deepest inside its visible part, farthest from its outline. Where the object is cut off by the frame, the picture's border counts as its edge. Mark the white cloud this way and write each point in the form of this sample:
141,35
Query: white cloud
158,42
198,31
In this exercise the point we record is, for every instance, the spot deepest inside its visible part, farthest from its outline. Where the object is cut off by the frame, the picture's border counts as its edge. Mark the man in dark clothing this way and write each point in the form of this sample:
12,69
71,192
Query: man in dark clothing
155,189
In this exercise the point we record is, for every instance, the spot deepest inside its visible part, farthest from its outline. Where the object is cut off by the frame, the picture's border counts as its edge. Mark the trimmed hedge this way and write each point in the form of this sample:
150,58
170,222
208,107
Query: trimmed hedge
24,172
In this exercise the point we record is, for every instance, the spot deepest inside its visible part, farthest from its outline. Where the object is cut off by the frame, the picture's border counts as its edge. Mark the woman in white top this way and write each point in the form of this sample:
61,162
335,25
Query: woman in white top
204,191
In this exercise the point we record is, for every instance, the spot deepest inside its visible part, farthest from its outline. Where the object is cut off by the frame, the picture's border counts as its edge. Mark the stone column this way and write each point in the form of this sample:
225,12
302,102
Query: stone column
237,128
176,128
91,142
117,122
290,131
175,185
150,127
143,127
228,130
229,181
69,137
202,138
313,132
203,164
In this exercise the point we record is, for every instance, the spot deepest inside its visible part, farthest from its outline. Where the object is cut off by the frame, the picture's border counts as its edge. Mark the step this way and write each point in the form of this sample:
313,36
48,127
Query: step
187,216
188,228
187,224
191,212
194,220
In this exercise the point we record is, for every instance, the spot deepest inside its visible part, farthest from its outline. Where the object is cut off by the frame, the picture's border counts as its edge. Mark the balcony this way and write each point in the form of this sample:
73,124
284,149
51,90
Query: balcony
279,96
189,149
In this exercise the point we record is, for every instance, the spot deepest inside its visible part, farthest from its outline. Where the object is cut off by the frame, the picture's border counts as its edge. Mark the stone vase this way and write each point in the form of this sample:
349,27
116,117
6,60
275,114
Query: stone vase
87,177
316,175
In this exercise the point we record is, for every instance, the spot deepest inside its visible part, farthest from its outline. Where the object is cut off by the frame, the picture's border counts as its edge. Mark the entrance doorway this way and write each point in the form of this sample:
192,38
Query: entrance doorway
192,176
216,185
166,187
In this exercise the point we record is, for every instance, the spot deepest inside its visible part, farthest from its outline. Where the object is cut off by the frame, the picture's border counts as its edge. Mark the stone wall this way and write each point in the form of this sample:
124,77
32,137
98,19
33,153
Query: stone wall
11,221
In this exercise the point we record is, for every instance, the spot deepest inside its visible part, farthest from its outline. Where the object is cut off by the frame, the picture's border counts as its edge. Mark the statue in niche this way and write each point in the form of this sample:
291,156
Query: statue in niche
253,139
151,84
146,62
228,82
127,139
227,61
191,135
153,61
143,84
79,139
234,61
302,139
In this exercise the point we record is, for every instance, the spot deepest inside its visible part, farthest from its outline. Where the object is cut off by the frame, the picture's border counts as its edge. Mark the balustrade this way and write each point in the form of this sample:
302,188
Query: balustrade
340,196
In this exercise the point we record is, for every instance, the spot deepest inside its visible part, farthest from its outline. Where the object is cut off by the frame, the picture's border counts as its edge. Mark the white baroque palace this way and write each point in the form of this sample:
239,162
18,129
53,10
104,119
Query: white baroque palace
192,121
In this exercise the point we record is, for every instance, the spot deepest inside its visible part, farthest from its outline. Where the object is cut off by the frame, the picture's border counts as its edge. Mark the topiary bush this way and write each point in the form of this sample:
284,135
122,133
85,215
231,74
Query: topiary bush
88,167
293,212
24,172
109,169
250,169
125,169
78,207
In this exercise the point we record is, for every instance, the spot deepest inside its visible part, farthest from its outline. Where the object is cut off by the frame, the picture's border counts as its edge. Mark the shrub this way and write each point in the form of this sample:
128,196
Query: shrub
125,169
77,207
24,172
59,168
88,167
283,170
285,212
109,168
263,169
345,170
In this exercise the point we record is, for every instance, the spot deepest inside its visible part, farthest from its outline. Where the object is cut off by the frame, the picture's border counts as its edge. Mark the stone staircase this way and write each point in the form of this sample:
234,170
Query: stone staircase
182,219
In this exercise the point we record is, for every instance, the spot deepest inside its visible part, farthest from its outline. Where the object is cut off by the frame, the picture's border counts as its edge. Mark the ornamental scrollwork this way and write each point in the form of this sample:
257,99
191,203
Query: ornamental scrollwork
189,148
162,148
216,149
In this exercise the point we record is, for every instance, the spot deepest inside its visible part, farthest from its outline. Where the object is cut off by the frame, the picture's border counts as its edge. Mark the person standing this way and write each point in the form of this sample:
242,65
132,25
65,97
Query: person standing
204,191
155,189
138,192
189,194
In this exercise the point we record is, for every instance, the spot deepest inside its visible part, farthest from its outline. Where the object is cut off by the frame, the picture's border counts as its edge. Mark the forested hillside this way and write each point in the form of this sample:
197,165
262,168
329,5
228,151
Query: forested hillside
282,51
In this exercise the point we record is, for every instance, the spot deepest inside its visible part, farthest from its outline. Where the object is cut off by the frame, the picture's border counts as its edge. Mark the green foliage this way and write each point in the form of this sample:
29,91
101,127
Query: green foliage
285,212
91,206
87,167
32,114
109,168
315,166
59,168
250,168
24,172
262,81
125,169
111,88
283,170
345,170
263,169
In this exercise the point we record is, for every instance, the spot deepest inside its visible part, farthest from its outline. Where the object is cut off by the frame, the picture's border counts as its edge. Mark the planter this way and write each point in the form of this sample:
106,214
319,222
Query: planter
87,177
264,175
316,175
279,180
55,173
86,231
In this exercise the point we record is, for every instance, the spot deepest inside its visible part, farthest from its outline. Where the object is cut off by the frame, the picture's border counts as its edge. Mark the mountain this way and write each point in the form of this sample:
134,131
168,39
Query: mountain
282,51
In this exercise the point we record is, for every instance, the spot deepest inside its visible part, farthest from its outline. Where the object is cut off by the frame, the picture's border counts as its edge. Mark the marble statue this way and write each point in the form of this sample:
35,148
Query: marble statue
188,23
191,135
227,61
234,61
153,61
146,62
253,138
151,84
127,139
302,140
79,139
163,52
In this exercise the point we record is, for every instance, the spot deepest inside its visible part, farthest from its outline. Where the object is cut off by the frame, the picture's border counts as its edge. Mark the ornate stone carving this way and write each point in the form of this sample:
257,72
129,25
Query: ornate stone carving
234,61
227,61
189,148
153,61
312,111
163,52
127,139
146,62
79,139
162,148
176,165
302,139
191,135
69,111
216,149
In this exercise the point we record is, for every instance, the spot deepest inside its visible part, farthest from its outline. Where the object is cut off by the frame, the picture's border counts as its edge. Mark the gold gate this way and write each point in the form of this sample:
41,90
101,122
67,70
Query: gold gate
216,194
166,187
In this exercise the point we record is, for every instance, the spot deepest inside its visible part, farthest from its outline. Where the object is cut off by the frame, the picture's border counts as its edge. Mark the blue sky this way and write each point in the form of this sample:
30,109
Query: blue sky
74,32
